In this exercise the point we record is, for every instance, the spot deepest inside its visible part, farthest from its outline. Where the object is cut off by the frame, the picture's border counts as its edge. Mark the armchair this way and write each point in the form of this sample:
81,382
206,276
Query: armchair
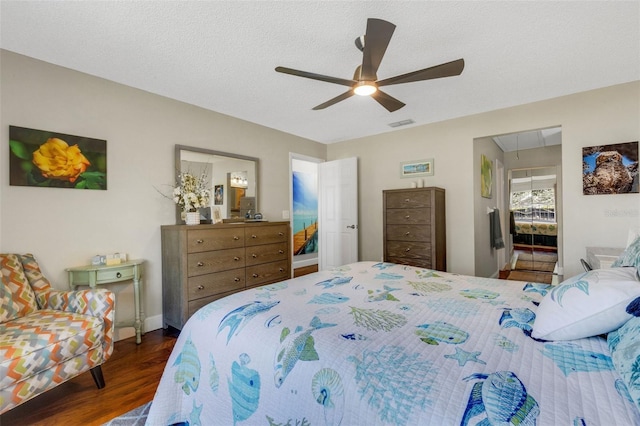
48,336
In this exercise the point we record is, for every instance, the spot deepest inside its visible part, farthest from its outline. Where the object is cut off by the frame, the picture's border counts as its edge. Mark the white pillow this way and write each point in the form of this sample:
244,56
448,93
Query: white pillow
587,305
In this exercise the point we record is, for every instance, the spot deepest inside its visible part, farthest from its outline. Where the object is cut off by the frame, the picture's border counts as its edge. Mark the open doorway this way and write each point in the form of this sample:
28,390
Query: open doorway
532,158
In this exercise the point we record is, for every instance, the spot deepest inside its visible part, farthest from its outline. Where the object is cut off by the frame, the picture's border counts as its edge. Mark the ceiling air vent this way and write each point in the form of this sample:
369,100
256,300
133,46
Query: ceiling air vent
401,123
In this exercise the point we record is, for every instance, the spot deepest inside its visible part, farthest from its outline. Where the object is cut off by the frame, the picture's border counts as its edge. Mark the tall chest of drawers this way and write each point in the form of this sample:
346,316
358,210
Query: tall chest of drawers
202,263
415,228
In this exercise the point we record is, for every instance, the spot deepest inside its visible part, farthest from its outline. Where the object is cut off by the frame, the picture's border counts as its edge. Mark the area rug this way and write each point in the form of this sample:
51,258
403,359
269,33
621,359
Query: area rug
135,417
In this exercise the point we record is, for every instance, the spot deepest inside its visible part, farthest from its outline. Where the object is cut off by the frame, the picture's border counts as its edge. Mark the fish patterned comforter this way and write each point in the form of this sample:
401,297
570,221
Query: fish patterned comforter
384,344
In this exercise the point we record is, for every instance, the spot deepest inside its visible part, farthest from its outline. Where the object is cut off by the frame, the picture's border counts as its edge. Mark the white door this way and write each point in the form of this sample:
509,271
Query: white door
338,212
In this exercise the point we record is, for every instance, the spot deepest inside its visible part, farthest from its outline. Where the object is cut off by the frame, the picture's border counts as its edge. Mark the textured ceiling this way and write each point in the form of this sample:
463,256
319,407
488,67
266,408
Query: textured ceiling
221,55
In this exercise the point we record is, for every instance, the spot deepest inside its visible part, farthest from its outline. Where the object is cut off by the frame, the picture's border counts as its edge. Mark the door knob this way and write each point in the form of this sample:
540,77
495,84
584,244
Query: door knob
351,226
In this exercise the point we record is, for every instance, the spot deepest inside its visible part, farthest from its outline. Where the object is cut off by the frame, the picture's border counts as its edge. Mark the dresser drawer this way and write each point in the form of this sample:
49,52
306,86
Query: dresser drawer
266,253
420,216
199,240
409,199
268,273
408,249
215,261
218,282
194,305
420,263
407,233
266,234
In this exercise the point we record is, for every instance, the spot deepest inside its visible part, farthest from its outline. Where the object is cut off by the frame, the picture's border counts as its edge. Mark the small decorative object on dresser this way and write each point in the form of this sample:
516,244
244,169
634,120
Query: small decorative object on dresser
206,262
414,227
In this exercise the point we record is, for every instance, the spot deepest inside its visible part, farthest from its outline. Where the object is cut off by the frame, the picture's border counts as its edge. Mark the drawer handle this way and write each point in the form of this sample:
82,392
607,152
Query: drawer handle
255,275
407,233
281,251
281,269
236,279
199,241
255,256
199,264
406,200
254,236
407,216
236,258
281,234
118,275
236,238
200,287
408,249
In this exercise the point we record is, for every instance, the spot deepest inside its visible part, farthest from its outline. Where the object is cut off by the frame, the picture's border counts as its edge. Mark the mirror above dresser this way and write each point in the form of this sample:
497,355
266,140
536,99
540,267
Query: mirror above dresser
234,180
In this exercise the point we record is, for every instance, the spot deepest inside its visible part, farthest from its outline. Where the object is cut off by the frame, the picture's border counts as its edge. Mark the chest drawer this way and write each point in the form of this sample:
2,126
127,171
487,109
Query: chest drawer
419,216
409,199
214,261
113,275
256,255
218,282
266,235
267,273
199,240
407,233
408,249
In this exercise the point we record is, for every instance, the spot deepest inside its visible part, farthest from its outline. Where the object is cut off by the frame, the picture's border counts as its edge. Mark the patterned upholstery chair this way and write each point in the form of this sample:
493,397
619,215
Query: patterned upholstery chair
48,336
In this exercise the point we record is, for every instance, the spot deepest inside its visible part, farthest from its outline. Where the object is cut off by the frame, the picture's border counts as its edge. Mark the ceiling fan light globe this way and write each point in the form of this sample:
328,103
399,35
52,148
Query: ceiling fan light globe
365,89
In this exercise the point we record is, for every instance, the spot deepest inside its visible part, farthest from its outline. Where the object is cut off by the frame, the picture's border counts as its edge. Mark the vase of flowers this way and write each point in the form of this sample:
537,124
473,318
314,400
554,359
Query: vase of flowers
191,193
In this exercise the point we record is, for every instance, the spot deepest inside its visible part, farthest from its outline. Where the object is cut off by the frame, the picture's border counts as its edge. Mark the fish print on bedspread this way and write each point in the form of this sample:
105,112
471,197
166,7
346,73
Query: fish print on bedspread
380,295
571,358
394,382
294,347
188,372
334,282
426,288
329,298
239,317
502,398
441,332
244,389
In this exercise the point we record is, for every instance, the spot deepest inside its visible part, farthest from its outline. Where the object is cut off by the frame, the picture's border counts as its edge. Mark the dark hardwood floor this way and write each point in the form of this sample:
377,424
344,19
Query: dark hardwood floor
131,374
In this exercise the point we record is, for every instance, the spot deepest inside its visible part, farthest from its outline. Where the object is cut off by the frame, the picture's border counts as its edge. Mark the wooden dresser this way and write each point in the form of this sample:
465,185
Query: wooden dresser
202,263
414,227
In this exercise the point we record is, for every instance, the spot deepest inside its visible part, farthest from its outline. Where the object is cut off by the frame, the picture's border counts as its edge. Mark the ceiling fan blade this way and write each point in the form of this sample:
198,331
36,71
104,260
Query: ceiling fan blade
376,40
314,76
389,102
335,100
449,69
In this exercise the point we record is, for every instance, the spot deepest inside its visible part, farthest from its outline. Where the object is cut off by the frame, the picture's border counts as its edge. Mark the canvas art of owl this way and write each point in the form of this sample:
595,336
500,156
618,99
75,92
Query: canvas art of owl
613,173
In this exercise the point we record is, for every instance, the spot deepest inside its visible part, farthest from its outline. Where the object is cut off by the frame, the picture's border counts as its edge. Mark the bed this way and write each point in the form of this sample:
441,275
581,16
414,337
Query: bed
385,344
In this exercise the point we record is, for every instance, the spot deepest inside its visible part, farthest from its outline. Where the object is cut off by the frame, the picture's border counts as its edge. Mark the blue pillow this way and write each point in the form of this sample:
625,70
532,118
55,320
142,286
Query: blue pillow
624,344
630,256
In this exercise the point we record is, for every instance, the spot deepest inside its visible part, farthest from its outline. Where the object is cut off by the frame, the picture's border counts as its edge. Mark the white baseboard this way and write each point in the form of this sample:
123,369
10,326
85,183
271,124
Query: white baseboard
150,324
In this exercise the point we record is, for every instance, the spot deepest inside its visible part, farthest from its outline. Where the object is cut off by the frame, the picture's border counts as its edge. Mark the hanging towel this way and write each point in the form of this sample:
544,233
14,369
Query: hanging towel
512,223
495,233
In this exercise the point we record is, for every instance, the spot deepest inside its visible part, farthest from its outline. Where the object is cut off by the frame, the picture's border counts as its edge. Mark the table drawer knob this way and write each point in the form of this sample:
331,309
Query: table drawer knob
254,236
236,258
200,287
255,256
118,275
408,249
200,241
281,234
236,279
236,238
281,269
407,233
406,200
255,275
407,216
200,264
281,251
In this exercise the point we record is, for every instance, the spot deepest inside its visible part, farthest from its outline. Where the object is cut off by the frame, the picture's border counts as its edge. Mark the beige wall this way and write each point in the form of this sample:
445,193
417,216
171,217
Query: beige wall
603,116
65,227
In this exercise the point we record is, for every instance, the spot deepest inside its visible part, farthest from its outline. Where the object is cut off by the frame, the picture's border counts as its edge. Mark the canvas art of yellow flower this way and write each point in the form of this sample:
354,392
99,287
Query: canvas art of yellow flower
57,160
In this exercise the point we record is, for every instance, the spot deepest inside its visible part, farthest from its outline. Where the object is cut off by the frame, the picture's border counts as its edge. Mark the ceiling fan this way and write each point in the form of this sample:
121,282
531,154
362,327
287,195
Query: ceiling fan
365,80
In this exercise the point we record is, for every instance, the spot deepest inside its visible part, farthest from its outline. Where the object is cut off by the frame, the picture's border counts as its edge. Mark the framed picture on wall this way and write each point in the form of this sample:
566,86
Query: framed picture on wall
56,160
610,169
486,176
218,195
409,169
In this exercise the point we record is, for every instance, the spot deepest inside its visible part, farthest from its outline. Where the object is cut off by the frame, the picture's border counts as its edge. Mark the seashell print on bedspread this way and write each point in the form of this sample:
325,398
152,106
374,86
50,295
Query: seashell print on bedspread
374,343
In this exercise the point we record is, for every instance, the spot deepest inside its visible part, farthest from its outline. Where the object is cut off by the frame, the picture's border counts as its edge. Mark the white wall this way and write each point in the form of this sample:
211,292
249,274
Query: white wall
603,116
66,227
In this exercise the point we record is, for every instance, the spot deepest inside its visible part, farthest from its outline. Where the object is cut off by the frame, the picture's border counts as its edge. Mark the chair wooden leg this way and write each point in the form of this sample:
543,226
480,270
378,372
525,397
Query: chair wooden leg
96,372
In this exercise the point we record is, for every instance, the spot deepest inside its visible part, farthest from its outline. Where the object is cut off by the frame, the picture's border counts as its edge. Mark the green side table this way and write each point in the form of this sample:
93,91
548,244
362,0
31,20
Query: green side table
94,275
